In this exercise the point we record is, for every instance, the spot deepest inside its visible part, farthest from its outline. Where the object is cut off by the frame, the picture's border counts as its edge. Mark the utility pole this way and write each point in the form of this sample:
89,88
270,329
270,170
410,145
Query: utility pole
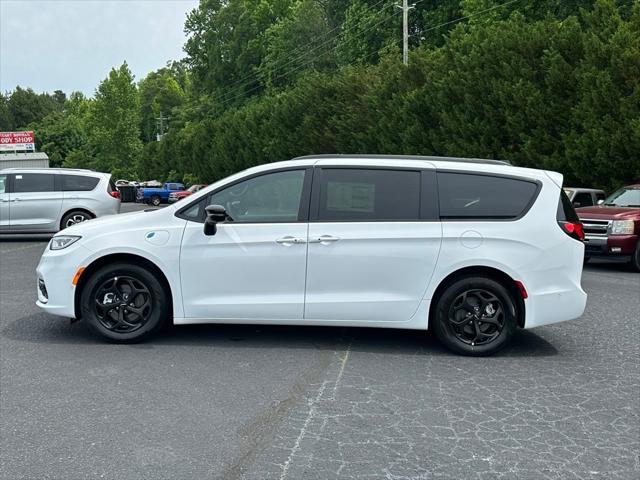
405,30
160,125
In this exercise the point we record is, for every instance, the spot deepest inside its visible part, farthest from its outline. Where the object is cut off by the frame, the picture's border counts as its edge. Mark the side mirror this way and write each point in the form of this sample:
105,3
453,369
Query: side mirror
215,214
600,202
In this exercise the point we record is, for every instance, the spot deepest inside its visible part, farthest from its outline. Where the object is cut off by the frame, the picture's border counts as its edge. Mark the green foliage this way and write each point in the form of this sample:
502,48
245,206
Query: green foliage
113,127
552,84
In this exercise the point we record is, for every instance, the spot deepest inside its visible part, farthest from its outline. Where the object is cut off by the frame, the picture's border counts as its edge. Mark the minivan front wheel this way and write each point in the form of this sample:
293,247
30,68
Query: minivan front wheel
124,303
475,316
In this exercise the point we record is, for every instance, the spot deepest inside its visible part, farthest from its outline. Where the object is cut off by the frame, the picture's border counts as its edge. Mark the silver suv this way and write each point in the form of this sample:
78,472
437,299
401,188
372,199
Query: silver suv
45,200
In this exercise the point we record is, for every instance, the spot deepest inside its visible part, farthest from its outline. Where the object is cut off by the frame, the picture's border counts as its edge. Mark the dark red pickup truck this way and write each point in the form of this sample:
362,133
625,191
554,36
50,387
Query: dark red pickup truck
612,229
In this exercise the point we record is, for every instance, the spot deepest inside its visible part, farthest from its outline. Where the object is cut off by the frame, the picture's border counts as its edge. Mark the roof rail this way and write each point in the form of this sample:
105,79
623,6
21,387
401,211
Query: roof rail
404,157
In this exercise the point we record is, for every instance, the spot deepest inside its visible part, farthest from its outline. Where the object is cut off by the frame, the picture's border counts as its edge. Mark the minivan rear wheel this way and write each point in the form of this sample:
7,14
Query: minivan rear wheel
73,217
124,303
475,316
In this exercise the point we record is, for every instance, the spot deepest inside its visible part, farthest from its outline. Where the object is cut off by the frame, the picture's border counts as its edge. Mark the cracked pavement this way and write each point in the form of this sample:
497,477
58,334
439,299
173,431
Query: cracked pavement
242,402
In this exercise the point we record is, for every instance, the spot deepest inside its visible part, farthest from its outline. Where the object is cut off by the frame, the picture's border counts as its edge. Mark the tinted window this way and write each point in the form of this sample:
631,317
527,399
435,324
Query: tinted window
274,197
483,196
3,183
33,182
583,199
369,195
78,183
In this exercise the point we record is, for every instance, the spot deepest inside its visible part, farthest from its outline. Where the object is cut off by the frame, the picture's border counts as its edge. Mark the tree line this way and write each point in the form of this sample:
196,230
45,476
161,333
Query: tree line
553,84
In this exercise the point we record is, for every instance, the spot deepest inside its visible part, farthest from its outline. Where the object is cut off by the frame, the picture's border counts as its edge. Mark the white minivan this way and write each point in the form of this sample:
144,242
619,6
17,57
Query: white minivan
472,249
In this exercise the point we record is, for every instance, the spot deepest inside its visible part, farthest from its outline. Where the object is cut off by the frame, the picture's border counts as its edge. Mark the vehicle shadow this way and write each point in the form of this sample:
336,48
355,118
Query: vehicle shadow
46,329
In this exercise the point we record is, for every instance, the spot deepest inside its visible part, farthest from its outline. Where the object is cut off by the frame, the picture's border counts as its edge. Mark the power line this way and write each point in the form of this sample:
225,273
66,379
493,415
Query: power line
240,94
301,48
455,20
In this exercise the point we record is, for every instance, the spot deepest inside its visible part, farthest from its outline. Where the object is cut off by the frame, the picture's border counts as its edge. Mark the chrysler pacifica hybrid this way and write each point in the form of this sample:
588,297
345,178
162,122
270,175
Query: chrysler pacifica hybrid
471,249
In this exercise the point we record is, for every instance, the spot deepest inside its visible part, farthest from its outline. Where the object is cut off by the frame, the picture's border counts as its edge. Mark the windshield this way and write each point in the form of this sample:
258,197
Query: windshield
625,197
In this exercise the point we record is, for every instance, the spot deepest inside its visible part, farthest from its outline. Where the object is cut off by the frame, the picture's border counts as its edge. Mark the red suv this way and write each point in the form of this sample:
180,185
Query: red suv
612,228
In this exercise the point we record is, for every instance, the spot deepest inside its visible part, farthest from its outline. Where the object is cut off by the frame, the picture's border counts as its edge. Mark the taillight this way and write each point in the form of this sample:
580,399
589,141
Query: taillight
573,229
115,194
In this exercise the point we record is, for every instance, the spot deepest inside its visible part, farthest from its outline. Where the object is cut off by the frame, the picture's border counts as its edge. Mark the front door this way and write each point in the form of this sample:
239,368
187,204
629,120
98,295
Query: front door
254,267
5,202
35,202
373,244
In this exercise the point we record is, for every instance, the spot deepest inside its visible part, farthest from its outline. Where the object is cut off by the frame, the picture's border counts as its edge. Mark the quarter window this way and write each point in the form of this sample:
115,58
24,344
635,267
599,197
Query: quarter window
483,196
33,182
78,183
369,195
273,197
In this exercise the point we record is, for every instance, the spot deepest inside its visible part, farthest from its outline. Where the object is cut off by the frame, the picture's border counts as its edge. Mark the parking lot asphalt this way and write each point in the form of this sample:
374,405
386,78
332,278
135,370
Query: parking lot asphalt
211,401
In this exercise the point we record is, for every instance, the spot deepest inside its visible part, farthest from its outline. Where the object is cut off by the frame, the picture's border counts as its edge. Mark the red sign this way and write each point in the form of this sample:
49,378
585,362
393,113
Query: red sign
16,141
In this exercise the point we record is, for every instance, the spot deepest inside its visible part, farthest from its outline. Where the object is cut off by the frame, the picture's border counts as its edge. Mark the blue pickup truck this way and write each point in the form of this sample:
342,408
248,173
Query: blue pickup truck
156,196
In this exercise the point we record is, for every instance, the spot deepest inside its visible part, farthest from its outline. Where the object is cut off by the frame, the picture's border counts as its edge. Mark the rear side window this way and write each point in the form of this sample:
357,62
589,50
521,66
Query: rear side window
583,199
33,182
78,183
566,212
476,196
369,195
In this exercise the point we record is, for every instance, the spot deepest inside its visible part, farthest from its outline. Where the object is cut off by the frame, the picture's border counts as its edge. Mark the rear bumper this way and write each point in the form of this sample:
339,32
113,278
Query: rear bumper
610,246
544,308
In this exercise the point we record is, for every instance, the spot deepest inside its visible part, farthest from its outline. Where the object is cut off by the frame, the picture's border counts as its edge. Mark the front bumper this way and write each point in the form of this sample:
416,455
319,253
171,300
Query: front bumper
610,246
54,280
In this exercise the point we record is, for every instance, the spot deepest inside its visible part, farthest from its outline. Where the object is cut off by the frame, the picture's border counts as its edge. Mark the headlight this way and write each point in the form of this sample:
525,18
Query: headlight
622,227
63,241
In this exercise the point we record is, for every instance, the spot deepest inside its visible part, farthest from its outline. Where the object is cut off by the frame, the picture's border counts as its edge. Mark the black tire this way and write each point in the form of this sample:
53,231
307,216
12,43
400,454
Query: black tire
73,217
115,319
635,259
457,322
155,200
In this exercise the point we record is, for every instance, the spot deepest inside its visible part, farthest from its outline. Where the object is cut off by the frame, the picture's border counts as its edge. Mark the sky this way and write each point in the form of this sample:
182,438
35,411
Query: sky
71,45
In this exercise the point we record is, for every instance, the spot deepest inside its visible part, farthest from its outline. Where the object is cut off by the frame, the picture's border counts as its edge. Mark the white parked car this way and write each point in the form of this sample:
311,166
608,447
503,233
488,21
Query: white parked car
471,249
46,200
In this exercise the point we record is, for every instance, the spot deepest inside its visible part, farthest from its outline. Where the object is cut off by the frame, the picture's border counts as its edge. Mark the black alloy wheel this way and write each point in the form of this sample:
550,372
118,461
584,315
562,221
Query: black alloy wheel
124,302
475,316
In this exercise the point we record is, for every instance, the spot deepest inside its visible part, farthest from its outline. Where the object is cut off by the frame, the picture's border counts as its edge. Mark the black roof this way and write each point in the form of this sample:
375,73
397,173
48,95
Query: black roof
405,157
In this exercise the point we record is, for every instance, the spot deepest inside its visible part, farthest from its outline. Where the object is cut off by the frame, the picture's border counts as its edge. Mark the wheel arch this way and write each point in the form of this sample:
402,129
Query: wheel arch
482,271
120,257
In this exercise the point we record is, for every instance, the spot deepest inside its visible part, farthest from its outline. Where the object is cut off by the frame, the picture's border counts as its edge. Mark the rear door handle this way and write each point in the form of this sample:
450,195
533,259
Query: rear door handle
325,239
17,199
289,240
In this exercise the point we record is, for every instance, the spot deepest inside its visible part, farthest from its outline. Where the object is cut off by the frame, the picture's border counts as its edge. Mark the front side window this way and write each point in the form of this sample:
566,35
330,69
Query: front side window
78,183
33,182
464,195
369,195
274,197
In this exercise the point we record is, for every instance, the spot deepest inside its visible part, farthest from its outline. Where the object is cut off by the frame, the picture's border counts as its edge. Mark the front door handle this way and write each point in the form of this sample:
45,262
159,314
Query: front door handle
325,239
289,240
